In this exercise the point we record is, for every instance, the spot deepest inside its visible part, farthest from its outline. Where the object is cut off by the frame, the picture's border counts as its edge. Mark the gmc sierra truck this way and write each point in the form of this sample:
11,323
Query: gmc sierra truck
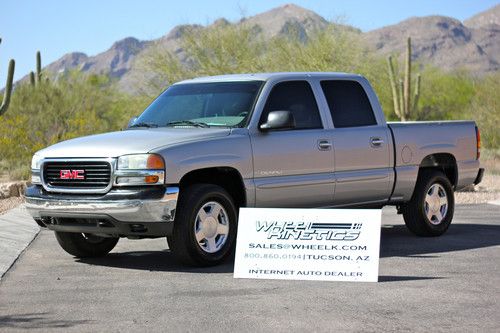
207,146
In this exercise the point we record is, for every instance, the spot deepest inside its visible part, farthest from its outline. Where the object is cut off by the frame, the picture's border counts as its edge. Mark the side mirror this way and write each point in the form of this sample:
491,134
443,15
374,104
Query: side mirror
131,121
278,120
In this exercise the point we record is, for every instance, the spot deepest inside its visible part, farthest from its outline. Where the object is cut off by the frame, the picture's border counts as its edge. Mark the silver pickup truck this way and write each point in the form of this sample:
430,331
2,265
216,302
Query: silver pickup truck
207,146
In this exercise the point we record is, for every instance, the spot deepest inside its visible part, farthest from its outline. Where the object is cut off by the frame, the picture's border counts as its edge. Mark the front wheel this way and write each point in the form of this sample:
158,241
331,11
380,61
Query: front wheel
85,245
205,226
430,210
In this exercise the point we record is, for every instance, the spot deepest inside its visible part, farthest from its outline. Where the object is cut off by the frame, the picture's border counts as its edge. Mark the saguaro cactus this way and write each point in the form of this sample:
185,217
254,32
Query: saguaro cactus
8,86
32,78
38,67
401,89
36,79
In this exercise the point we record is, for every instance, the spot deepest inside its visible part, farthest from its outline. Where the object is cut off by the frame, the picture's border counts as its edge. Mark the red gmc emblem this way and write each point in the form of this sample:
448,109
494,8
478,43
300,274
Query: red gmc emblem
72,174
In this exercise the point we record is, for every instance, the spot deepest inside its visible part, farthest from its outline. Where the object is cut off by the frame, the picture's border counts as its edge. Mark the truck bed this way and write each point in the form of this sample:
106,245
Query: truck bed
414,141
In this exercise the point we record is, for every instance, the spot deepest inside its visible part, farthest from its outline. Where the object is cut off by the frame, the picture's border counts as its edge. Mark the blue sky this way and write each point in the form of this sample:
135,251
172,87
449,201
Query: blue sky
91,26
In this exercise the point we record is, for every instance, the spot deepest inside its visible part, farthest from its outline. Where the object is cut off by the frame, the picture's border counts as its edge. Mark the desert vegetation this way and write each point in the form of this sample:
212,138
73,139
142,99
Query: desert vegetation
73,104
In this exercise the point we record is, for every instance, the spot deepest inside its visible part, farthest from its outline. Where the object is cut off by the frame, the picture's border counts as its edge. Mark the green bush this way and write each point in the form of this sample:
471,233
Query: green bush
73,106
444,95
485,110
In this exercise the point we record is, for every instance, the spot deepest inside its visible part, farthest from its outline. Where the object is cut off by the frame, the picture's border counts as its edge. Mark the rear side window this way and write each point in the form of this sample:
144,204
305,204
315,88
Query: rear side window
348,103
298,98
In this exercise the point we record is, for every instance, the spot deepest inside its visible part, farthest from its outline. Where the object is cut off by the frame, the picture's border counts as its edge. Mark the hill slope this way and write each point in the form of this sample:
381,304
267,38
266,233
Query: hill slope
442,41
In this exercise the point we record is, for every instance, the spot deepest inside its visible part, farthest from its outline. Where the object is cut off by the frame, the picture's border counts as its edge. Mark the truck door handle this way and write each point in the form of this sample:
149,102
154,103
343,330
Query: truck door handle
324,145
376,142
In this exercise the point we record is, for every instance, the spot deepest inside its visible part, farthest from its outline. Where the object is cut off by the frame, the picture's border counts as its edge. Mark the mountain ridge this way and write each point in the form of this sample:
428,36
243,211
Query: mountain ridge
445,42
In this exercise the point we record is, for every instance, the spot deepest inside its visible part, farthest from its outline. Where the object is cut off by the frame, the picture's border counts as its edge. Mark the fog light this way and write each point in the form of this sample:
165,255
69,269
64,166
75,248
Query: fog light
130,180
139,180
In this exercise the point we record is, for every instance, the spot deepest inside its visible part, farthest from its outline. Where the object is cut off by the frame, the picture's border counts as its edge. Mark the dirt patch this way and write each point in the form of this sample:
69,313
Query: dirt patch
488,190
12,189
7,204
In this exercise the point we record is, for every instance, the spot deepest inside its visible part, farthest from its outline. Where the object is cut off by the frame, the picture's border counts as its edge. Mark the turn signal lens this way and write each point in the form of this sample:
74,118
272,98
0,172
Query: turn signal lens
151,179
155,162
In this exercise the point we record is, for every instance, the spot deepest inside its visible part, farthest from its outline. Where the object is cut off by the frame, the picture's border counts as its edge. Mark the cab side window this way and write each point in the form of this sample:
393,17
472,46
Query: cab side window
298,98
348,104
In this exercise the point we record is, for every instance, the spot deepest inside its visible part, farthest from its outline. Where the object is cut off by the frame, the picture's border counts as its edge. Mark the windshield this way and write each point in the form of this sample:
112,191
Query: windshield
225,104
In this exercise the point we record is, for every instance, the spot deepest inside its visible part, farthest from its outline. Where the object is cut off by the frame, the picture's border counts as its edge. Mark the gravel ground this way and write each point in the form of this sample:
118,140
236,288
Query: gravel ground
488,190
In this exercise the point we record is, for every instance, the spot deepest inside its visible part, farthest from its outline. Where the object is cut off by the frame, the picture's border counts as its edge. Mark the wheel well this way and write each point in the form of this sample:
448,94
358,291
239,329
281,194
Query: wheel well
226,177
444,162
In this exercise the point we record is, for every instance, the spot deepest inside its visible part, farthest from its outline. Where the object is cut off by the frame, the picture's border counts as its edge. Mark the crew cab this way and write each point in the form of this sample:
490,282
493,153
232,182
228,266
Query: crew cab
207,146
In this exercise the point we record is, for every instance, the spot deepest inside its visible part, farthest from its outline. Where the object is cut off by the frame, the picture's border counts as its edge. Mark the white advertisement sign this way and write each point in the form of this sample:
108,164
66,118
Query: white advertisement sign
308,244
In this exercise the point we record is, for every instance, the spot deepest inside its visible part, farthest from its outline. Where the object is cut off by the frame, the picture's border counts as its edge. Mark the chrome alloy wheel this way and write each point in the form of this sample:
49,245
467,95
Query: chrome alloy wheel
436,204
211,227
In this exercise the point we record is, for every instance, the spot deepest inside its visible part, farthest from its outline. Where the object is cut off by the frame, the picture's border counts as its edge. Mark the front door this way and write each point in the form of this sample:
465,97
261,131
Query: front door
293,168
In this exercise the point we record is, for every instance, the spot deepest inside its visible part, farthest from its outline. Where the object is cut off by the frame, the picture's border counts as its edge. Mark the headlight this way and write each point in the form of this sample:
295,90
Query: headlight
36,161
141,162
140,169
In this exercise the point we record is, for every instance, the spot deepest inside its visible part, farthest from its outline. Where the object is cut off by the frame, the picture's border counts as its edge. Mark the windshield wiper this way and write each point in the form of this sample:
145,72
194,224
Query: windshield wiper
189,123
148,125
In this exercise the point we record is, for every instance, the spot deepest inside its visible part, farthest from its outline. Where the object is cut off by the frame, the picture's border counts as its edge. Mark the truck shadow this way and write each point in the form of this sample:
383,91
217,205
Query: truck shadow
396,241
155,261
40,320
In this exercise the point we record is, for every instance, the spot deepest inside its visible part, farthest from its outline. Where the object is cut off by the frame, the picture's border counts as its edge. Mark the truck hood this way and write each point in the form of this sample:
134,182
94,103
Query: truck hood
134,141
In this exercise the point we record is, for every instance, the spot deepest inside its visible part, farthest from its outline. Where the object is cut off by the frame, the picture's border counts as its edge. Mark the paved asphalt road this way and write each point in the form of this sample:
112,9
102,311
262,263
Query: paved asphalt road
451,283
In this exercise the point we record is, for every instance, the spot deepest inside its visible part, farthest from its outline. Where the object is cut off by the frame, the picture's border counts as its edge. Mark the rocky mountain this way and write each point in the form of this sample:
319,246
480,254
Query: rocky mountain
285,18
445,42
486,18
442,41
115,62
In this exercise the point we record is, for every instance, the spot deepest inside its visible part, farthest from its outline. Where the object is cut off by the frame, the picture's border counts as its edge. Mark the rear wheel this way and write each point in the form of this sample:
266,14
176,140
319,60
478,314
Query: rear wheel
85,245
205,226
430,210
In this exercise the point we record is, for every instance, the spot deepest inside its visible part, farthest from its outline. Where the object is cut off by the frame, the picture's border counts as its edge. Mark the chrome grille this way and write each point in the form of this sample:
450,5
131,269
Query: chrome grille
96,174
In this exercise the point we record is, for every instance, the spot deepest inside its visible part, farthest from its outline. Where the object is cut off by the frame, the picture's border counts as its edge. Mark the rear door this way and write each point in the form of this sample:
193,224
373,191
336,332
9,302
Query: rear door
293,168
361,145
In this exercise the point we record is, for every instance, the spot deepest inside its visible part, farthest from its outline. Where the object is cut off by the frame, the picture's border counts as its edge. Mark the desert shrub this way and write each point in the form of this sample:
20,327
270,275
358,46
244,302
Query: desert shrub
444,95
485,109
240,48
218,49
51,112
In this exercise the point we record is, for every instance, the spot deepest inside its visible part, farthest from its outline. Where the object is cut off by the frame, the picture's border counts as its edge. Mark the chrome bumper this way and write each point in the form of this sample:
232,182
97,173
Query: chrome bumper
134,210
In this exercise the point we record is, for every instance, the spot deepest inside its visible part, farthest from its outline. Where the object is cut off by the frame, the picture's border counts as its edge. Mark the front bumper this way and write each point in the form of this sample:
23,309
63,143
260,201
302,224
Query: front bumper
131,212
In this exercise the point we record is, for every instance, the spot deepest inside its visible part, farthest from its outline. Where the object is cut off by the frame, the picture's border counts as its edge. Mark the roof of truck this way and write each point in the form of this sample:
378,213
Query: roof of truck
269,76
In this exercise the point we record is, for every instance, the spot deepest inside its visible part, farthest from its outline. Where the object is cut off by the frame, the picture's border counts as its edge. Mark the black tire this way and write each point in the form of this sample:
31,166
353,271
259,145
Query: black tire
85,245
183,243
414,212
